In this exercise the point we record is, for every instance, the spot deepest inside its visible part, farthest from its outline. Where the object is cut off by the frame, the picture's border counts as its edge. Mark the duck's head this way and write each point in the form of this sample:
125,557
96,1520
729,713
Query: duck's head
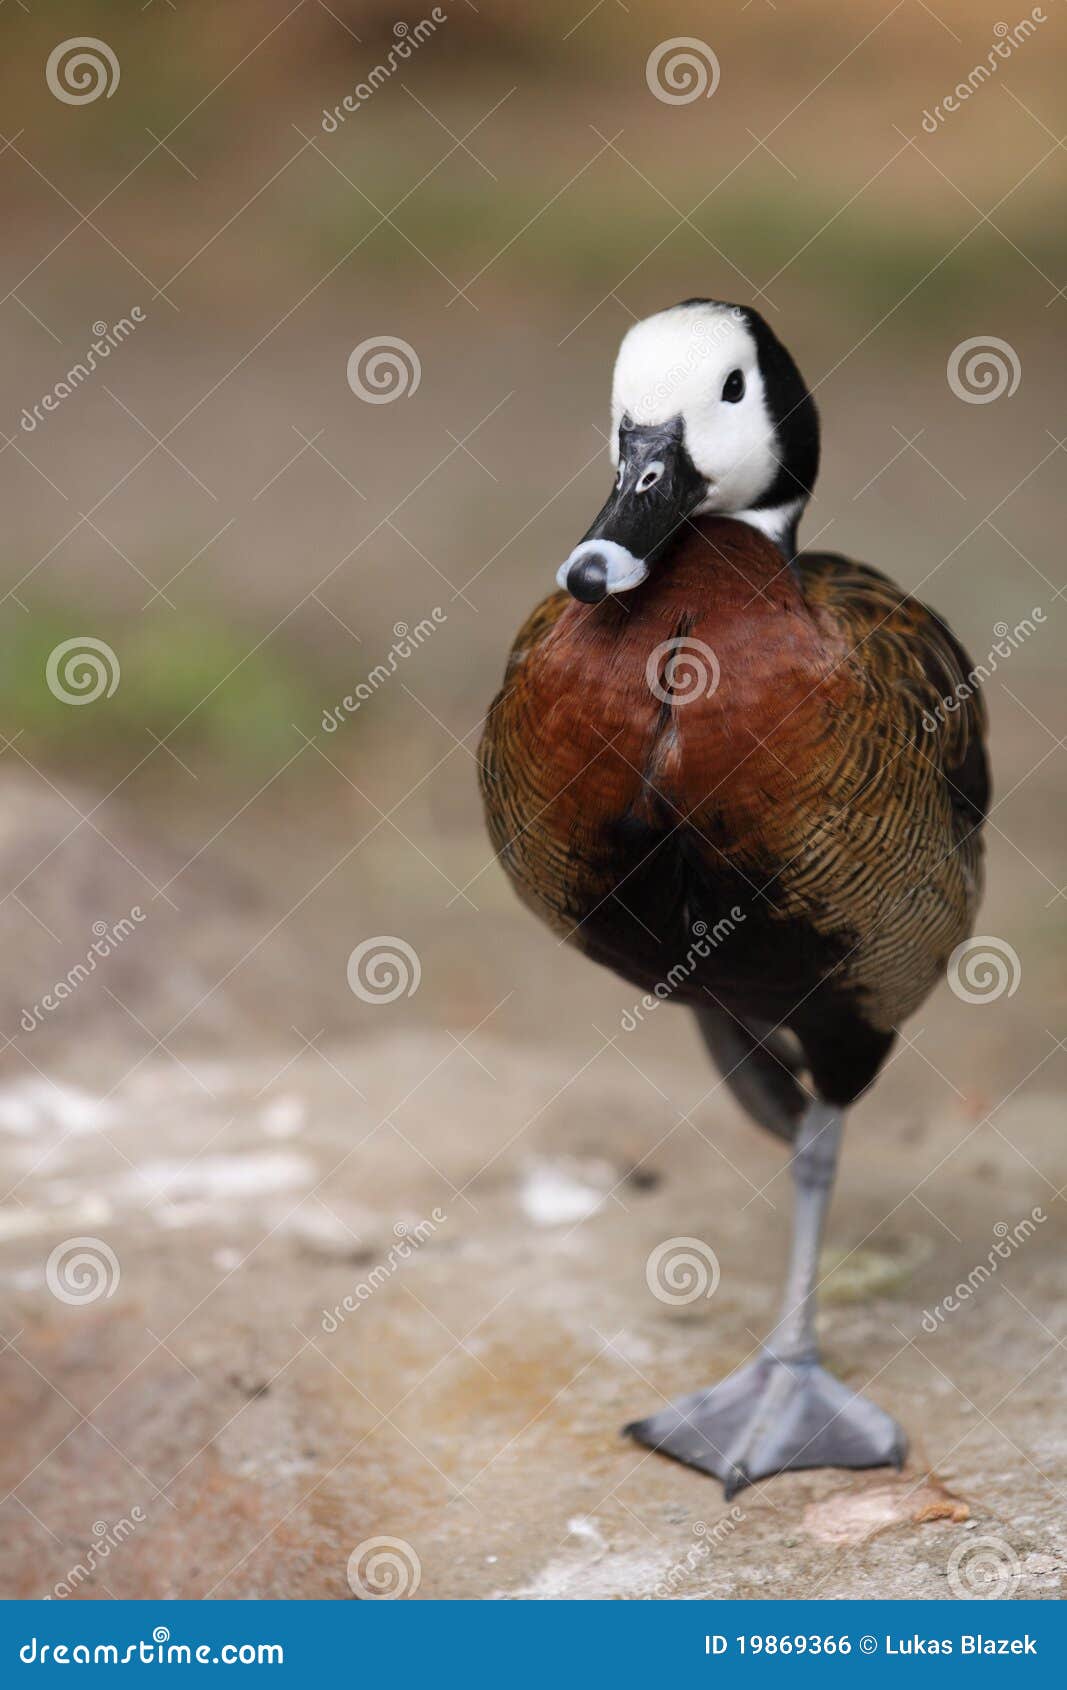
708,413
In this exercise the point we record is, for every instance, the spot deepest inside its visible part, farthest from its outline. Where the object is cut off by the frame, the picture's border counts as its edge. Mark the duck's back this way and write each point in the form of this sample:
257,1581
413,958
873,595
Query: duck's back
789,760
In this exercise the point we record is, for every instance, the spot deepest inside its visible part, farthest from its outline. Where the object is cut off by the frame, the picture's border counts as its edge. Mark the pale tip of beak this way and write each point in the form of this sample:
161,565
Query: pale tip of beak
615,570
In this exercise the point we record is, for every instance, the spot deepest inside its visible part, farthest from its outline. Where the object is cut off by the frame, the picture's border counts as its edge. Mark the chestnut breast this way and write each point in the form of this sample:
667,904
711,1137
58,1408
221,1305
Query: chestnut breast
700,701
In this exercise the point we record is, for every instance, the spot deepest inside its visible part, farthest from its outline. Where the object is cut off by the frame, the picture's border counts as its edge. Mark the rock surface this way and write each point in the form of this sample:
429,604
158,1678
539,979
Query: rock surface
319,1312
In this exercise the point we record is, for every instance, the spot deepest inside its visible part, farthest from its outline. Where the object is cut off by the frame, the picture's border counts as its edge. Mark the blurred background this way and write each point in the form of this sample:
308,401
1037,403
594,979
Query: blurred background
248,516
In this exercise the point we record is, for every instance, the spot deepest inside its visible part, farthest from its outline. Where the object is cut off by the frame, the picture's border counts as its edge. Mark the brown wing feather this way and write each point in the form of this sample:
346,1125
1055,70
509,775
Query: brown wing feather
881,841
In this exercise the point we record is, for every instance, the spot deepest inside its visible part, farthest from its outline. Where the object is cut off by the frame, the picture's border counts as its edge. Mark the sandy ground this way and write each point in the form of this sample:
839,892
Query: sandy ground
215,1422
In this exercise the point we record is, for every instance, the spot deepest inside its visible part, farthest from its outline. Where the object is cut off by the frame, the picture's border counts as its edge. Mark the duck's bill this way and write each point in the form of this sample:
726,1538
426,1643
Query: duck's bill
657,488
599,567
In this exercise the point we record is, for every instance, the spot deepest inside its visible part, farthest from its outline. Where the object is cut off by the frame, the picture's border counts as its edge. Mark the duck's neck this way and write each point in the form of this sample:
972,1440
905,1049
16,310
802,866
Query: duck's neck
779,524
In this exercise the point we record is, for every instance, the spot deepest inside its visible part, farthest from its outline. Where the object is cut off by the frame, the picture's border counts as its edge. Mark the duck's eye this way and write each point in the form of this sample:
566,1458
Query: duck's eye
622,473
733,388
649,477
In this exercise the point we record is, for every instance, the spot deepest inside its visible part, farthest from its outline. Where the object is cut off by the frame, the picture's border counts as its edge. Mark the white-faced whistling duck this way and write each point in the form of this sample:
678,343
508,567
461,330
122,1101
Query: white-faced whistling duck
708,733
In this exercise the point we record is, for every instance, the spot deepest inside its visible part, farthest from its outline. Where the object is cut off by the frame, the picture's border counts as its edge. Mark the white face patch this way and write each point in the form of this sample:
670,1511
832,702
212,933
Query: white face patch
676,363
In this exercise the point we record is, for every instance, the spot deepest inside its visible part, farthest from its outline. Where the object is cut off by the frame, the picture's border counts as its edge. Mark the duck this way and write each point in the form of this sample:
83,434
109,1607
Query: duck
751,781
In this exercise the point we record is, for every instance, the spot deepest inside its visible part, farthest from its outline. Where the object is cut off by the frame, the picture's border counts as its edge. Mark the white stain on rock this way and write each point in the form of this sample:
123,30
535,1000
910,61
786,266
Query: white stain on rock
552,1195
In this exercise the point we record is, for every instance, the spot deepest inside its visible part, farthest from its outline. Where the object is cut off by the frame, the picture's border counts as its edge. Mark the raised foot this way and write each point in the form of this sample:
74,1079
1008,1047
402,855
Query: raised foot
773,1416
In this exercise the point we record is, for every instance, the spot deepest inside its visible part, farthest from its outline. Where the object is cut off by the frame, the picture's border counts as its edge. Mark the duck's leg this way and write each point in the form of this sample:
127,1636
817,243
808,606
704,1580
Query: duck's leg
783,1410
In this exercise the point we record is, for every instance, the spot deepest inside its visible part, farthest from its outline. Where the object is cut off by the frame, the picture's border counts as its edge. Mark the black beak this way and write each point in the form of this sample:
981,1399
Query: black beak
656,489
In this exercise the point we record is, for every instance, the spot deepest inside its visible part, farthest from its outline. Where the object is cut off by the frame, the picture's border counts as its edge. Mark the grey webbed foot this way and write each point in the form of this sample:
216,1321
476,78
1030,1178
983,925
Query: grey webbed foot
773,1416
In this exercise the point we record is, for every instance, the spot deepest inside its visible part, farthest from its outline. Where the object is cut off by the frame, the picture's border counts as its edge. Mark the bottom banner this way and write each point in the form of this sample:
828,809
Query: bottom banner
527,1643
